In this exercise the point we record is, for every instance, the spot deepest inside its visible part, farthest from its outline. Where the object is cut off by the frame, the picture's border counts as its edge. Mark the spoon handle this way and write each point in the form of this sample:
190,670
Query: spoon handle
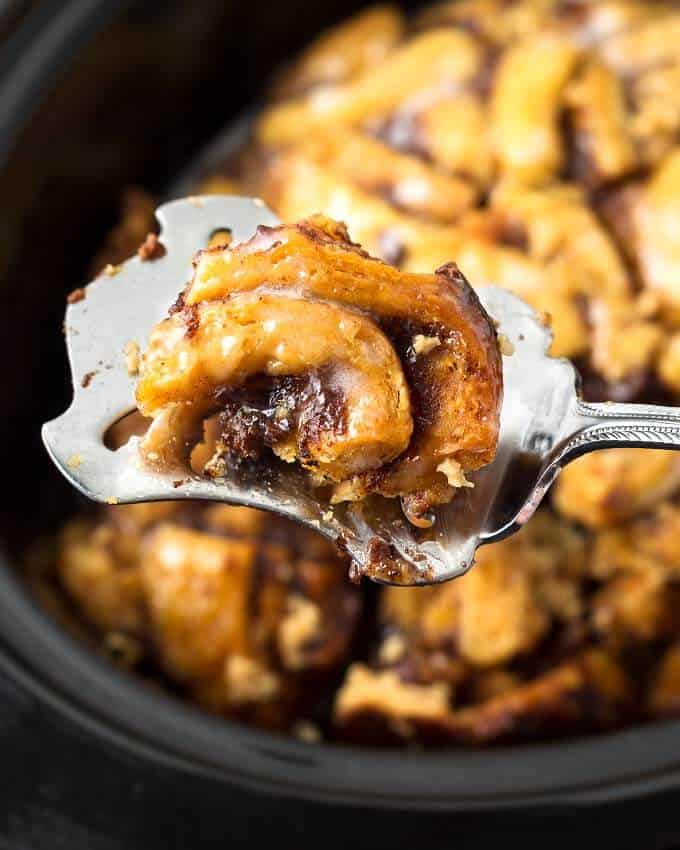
604,425
601,425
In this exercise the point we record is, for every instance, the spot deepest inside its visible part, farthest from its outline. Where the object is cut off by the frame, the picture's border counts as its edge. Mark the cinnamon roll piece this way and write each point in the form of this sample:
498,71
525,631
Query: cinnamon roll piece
222,600
437,61
298,342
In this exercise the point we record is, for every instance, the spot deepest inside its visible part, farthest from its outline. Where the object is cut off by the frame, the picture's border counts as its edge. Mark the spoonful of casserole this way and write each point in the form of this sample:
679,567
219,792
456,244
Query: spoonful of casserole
403,415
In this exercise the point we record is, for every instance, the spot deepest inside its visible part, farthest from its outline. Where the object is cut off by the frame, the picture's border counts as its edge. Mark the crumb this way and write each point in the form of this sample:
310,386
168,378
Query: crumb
131,352
327,516
392,649
305,730
112,500
220,238
505,346
544,318
425,344
454,473
179,482
76,296
74,461
151,248
110,270
87,379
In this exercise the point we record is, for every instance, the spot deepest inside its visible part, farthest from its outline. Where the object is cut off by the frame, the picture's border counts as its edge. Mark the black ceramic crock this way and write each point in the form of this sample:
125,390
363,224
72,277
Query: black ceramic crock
95,96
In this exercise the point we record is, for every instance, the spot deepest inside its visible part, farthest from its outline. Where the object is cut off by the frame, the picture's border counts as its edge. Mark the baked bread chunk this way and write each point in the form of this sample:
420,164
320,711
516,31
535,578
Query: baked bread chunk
299,344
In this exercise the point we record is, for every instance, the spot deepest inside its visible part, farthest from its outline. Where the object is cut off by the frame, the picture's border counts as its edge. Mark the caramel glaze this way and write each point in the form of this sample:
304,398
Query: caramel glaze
300,342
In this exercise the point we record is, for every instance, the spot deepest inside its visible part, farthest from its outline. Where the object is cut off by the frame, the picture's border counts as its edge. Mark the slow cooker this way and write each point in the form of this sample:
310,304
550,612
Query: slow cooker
94,96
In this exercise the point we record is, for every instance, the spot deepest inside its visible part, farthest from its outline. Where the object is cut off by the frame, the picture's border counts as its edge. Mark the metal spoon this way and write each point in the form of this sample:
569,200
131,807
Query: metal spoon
544,423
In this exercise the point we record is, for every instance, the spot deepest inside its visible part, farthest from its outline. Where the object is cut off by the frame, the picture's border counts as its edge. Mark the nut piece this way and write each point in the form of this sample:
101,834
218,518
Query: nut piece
132,357
454,473
425,344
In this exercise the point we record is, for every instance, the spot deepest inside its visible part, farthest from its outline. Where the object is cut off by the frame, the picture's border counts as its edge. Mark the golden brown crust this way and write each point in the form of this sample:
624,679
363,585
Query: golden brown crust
304,301
183,374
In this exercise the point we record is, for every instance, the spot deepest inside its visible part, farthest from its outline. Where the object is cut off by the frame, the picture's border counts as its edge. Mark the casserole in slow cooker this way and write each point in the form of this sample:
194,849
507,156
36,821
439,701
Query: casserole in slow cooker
534,143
